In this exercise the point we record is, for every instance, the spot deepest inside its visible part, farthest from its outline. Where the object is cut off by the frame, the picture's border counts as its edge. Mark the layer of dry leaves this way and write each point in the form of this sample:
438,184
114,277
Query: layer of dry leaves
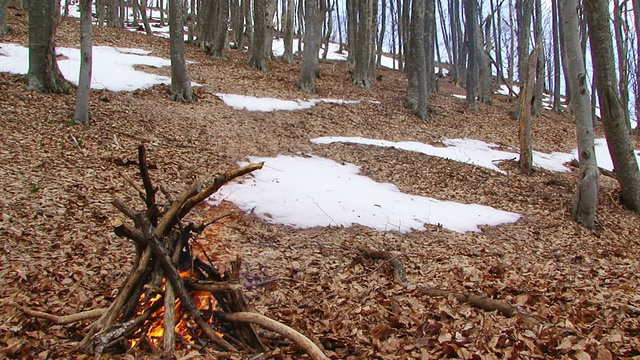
58,253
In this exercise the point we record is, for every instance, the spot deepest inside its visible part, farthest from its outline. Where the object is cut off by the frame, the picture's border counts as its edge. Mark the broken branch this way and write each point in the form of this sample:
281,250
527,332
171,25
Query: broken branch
302,341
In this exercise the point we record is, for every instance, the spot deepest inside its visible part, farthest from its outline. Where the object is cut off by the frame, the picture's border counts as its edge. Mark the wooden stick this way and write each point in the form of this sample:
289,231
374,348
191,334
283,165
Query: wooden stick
65,319
150,198
217,184
302,341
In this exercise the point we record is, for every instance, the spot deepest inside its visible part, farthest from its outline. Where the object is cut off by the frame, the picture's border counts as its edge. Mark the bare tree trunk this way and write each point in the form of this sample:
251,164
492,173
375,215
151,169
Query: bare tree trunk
352,26
524,10
213,33
622,45
81,115
180,83
143,15
309,70
616,132
269,28
258,60
327,8
540,67
471,14
4,29
418,61
44,74
526,102
483,58
237,24
161,10
248,19
586,199
512,42
112,13
288,30
366,34
383,28
636,17
340,40
556,56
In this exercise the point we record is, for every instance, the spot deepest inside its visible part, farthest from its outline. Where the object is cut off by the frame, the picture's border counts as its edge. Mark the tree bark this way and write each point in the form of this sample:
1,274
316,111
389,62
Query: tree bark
526,103
81,115
636,17
44,74
585,202
556,56
143,15
471,14
417,61
4,29
180,83
309,69
615,129
364,51
269,29
540,66
622,45
258,60
524,10
288,31
213,33
237,24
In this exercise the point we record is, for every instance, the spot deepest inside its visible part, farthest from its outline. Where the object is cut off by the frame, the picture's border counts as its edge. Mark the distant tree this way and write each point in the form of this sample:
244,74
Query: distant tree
237,23
326,7
417,61
616,131
213,28
142,9
471,15
44,74
636,17
528,80
81,115
289,16
113,20
524,9
586,199
556,55
485,77
258,60
540,66
352,26
621,31
364,68
180,83
309,70
383,30
269,28
4,29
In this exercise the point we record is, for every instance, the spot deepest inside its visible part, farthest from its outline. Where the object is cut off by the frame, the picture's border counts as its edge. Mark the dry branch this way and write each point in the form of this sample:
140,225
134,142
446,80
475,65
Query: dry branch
65,319
302,341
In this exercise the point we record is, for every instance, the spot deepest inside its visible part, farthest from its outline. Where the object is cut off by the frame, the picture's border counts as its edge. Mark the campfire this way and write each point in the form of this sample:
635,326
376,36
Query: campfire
173,298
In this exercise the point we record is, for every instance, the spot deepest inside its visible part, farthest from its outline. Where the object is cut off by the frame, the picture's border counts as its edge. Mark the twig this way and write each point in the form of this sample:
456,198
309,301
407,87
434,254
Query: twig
302,341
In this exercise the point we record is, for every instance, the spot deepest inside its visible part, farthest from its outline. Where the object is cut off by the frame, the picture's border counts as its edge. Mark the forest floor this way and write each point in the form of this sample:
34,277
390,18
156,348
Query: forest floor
58,252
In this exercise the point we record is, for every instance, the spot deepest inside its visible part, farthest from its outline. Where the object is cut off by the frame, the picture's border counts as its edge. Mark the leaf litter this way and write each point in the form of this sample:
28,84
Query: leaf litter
59,254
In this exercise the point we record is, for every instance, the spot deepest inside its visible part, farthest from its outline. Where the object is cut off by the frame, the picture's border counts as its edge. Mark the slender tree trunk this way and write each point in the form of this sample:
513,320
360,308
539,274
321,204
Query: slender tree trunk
327,8
526,102
446,39
340,40
540,66
143,15
524,10
418,61
161,10
288,31
248,19
471,15
636,17
269,28
44,74
366,34
309,69
586,199
623,62
4,29
616,131
237,24
352,25
512,42
383,28
556,57
180,83
258,59
81,115
484,69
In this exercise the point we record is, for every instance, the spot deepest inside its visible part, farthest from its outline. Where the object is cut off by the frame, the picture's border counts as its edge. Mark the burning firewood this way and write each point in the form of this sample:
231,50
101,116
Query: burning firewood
169,289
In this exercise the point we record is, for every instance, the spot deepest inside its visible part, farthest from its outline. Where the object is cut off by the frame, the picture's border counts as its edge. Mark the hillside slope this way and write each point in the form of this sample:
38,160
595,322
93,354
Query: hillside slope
59,253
